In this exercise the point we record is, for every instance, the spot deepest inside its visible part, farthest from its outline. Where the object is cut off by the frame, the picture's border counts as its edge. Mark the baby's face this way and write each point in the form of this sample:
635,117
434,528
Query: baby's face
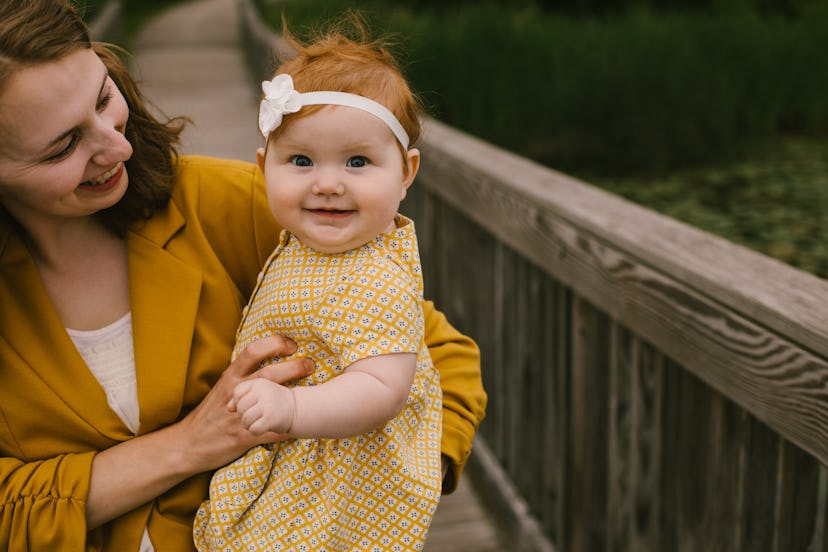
335,178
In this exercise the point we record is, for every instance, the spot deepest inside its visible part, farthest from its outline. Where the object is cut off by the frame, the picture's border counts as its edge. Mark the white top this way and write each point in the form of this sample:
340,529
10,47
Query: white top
110,356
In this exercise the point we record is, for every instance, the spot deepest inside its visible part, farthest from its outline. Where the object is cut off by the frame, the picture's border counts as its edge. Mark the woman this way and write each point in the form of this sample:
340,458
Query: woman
123,273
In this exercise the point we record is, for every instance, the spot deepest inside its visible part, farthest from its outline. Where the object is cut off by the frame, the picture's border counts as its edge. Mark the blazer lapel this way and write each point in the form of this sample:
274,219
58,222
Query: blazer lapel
31,326
164,293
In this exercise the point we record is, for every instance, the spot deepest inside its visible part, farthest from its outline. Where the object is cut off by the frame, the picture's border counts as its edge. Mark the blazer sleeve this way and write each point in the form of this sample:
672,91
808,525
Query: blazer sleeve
43,503
457,359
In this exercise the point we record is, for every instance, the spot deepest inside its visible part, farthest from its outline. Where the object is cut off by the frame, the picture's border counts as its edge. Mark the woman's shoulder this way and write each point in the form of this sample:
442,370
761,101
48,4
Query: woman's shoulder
204,162
225,201
205,185
198,172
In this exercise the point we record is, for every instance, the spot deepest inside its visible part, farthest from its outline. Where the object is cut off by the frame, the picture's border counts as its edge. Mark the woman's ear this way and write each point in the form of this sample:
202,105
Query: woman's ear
412,159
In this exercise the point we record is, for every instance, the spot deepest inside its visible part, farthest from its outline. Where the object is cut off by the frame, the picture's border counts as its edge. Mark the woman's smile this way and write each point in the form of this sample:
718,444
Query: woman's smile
105,181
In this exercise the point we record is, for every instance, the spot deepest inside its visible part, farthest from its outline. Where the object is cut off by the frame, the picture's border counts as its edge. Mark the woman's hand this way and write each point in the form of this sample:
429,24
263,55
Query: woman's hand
136,471
214,431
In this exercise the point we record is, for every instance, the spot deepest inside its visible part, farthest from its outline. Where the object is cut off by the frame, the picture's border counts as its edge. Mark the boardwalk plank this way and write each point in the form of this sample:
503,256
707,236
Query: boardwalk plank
461,523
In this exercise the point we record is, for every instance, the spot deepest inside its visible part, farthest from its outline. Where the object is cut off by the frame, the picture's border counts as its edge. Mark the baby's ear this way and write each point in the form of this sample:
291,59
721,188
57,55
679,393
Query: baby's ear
260,158
413,160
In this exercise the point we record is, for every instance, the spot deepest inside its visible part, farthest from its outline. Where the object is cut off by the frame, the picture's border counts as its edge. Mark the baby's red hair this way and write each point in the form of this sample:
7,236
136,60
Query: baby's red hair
334,61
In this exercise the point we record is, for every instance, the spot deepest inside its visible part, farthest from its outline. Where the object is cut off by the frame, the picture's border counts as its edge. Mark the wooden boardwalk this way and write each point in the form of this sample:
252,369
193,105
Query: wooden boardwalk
462,524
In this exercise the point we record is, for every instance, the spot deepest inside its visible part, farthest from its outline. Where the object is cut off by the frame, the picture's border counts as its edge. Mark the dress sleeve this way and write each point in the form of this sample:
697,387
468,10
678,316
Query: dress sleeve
370,312
457,359
43,503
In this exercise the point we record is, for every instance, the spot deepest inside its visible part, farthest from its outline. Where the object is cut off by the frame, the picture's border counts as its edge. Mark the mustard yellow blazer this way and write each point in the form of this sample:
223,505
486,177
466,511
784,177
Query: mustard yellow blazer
192,268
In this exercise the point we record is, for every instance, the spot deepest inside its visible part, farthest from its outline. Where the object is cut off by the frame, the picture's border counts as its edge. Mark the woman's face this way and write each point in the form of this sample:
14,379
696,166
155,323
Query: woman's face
62,144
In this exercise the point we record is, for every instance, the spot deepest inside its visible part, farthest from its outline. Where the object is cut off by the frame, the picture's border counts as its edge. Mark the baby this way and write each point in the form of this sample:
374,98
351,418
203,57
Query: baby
359,468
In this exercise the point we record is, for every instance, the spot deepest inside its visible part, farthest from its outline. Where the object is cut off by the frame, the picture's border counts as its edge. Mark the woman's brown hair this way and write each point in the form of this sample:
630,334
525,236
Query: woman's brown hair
42,31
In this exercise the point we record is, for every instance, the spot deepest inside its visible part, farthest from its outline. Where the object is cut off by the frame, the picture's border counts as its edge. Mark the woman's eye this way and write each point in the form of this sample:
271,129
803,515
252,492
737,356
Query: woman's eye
70,146
357,162
301,161
104,101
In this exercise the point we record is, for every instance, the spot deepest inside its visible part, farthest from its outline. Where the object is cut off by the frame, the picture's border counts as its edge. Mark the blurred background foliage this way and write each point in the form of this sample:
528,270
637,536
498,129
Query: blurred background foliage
89,9
714,112
615,91
134,13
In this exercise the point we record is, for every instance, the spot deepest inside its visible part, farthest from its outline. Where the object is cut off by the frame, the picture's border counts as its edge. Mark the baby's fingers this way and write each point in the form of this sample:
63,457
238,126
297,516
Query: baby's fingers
250,418
242,398
258,427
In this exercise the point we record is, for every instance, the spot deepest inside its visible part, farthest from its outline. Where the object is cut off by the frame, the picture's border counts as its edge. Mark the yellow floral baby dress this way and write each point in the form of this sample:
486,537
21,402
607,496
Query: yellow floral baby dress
377,491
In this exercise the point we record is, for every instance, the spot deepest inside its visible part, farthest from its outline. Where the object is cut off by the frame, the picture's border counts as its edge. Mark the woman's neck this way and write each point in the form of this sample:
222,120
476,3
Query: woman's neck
84,269
57,241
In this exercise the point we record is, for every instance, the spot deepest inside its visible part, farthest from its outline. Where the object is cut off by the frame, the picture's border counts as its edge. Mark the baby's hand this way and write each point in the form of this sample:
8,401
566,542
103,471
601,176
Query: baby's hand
263,405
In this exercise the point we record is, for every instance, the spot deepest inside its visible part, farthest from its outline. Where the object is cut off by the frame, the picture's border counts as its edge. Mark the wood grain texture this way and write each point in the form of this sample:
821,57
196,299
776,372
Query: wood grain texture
562,339
797,499
620,500
587,476
635,497
647,425
820,540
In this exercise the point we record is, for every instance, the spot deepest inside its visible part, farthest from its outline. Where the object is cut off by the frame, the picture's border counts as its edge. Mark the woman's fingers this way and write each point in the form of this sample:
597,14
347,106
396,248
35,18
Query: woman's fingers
286,370
254,354
215,430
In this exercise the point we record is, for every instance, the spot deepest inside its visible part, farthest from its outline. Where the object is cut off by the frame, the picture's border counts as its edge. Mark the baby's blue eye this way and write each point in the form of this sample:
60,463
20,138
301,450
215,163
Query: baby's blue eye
301,161
357,162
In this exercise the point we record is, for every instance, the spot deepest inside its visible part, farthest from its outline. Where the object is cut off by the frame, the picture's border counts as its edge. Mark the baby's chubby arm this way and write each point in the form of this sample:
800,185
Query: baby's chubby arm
367,394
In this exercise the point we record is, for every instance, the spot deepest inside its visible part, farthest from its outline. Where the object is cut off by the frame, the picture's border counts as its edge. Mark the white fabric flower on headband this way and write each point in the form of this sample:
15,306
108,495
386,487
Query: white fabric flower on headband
279,98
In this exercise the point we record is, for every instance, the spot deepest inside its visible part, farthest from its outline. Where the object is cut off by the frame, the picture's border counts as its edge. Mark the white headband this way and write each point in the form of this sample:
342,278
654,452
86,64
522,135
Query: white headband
281,98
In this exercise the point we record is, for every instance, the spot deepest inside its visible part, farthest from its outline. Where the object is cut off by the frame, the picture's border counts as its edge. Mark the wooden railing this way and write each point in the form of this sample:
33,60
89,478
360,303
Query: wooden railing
652,387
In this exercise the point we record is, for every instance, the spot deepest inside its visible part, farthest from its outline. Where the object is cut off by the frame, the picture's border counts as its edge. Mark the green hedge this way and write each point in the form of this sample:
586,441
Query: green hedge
638,91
